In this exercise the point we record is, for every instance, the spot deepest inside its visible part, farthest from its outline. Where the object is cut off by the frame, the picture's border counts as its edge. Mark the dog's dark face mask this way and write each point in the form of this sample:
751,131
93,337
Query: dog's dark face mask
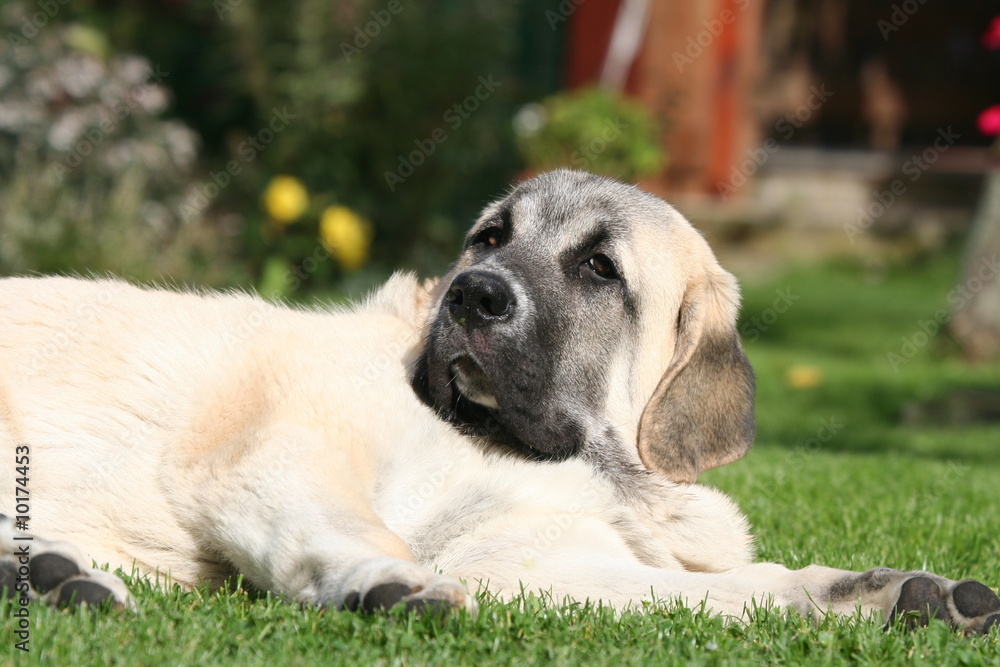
529,317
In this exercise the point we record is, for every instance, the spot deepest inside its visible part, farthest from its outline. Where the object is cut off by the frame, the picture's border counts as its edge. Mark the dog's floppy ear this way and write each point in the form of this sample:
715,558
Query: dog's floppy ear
701,414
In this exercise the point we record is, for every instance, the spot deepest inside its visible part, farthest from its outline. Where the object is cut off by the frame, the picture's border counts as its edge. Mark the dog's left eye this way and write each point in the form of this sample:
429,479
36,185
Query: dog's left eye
603,267
489,237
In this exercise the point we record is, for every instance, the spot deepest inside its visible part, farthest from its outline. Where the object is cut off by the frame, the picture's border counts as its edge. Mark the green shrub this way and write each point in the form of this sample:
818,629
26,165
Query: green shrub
590,129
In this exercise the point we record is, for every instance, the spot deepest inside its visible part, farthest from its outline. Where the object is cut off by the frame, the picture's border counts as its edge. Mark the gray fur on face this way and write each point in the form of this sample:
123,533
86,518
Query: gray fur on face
539,378
545,315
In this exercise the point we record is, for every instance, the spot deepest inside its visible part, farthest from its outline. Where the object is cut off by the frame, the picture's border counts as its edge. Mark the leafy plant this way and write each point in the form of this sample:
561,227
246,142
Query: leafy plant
92,174
591,129
375,108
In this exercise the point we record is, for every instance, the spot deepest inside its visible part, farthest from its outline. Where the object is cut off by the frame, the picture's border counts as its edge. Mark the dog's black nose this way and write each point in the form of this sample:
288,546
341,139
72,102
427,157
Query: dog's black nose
478,299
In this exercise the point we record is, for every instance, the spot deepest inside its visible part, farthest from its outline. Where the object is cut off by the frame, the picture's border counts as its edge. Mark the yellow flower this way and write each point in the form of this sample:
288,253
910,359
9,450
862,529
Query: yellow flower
285,199
346,236
802,376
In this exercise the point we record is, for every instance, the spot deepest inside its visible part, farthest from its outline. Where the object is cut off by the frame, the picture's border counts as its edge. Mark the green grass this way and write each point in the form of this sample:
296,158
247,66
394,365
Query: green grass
878,492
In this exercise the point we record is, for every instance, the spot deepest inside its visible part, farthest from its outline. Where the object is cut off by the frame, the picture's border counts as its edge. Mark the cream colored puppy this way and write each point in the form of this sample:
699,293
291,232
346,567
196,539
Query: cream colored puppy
537,417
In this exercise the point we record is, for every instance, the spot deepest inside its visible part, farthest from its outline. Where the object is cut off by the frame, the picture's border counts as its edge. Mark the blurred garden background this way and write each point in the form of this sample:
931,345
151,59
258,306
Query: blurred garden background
839,155
313,146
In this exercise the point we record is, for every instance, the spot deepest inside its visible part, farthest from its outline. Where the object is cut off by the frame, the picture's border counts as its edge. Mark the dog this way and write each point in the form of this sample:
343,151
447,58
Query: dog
536,418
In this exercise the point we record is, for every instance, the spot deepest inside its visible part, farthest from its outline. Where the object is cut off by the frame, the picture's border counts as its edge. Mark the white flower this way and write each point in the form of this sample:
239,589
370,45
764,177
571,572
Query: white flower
132,70
152,99
120,156
111,92
182,143
79,74
530,119
18,116
69,127
42,88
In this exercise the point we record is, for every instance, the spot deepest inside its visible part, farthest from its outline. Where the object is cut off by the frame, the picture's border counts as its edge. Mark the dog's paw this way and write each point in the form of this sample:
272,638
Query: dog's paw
53,573
968,605
382,583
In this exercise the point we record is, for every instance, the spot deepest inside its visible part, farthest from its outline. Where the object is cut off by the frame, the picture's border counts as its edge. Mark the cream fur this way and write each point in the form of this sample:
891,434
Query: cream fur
187,434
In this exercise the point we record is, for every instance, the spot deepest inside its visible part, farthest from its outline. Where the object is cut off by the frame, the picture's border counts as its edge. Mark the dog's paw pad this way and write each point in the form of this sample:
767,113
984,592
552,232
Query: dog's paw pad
82,591
920,600
973,599
351,602
428,606
54,573
380,584
94,588
49,570
384,596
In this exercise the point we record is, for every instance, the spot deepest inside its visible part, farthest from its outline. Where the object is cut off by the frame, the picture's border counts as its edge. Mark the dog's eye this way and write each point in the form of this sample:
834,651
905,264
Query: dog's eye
489,237
603,267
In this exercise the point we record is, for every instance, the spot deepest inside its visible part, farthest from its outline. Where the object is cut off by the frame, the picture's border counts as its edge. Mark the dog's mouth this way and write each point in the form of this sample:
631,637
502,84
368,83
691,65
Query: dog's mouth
471,402
485,397
462,394
471,382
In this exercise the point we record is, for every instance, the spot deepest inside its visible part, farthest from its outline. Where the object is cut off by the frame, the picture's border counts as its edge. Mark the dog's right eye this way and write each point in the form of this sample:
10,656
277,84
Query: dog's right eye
489,237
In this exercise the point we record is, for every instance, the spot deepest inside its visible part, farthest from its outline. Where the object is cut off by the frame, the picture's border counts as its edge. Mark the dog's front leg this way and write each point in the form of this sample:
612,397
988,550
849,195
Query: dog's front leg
326,556
913,596
814,591
589,560
291,523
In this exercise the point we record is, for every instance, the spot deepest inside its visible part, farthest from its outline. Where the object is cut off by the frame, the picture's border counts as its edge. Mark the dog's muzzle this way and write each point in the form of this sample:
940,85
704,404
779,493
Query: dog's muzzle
477,299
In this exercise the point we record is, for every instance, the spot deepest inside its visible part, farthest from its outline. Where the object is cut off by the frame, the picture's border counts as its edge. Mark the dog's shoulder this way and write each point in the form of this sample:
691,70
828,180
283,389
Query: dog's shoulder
402,296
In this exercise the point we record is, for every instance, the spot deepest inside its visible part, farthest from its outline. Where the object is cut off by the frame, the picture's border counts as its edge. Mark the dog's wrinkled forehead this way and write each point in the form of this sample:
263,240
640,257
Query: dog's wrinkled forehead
563,205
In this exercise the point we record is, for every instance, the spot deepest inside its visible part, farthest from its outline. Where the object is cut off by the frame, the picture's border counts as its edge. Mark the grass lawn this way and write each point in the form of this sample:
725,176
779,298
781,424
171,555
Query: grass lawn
836,477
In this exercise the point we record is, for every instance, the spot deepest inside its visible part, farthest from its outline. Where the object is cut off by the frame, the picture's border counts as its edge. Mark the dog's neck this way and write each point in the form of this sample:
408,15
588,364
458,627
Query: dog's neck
609,458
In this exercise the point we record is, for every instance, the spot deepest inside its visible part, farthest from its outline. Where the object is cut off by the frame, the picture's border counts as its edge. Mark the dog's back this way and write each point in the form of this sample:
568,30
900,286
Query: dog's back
96,377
